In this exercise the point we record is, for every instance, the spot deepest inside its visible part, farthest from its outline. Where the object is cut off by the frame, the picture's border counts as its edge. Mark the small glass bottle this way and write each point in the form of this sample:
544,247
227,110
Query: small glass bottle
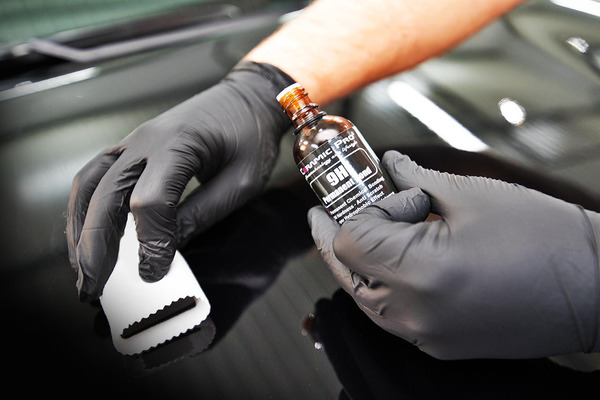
336,161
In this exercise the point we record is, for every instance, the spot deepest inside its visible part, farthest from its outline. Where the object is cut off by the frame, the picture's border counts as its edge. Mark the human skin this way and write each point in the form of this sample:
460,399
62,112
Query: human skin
337,46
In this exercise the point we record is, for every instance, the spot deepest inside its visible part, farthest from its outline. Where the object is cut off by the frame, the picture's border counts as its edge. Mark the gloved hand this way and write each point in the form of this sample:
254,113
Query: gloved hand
227,136
507,272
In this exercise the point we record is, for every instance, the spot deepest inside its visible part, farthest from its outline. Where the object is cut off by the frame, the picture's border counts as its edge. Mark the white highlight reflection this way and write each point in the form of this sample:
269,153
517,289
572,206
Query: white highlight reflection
435,118
585,6
579,44
26,88
512,111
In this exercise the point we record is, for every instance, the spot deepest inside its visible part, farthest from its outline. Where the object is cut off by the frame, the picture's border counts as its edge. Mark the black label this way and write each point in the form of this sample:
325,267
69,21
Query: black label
346,175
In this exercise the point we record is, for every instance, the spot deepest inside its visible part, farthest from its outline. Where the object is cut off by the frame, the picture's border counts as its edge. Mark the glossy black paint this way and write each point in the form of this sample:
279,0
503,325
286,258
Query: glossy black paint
259,267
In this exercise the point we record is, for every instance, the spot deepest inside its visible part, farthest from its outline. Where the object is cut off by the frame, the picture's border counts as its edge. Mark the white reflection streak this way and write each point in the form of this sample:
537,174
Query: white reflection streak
585,6
34,87
51,181
434,117
288,17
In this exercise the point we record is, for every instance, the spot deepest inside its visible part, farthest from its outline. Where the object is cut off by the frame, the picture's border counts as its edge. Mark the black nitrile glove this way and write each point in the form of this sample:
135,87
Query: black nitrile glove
227,136
507,272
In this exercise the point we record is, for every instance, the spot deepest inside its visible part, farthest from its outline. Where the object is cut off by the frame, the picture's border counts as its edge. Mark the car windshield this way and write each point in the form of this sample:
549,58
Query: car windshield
23,20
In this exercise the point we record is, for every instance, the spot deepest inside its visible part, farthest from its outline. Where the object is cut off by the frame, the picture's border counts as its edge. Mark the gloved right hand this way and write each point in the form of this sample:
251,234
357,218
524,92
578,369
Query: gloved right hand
227,136
508,272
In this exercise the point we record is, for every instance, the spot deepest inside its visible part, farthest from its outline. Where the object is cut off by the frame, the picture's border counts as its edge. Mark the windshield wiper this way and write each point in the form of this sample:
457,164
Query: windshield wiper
87,46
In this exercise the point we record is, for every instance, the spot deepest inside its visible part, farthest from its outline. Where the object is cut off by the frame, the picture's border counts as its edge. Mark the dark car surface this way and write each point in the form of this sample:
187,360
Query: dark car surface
519,101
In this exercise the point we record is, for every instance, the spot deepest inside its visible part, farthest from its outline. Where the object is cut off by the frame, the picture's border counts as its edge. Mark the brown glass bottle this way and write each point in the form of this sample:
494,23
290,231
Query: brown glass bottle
334,158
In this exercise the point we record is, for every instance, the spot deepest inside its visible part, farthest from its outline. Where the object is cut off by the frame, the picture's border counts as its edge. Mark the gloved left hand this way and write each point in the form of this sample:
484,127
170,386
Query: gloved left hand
227,136
507,272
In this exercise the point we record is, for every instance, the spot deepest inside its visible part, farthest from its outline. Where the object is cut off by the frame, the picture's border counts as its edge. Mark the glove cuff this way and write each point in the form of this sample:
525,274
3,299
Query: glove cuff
279,79
266,82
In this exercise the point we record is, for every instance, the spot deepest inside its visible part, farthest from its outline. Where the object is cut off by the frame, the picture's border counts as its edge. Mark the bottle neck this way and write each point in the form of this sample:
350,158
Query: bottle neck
297,106
306,117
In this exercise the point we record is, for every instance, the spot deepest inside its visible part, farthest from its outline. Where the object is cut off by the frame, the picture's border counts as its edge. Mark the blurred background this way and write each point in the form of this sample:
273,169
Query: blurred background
519,101
77,76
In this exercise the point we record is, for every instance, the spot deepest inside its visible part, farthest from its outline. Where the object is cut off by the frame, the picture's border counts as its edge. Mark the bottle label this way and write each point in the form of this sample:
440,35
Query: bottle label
345,174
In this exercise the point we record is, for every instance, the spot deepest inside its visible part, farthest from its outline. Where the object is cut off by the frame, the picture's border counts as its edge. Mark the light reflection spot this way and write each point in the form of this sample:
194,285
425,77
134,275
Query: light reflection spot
512,111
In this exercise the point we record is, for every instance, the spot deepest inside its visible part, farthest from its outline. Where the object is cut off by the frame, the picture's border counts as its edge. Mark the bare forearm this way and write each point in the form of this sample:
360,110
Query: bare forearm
336,46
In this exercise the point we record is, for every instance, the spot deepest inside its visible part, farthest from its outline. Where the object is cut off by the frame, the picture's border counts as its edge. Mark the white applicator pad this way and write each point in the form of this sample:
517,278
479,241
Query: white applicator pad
127,299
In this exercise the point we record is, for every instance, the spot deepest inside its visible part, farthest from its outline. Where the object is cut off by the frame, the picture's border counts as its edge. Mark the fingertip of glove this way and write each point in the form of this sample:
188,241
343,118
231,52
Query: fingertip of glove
392,158
406,173
155,259
152,273
323,227
313,214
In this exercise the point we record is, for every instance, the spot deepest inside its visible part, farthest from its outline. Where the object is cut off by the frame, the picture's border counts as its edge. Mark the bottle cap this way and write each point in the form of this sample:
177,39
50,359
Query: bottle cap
289,89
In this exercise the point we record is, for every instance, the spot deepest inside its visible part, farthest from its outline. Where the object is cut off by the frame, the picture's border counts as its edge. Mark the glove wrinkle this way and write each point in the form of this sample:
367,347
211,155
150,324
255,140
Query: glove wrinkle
594,242
371,293
359,280
419,234
84,184
577,323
